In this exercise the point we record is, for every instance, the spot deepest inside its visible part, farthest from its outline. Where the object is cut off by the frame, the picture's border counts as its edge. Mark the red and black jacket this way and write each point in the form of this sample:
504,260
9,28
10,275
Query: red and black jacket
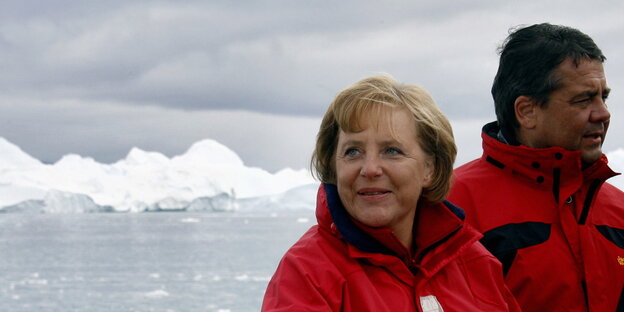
557,228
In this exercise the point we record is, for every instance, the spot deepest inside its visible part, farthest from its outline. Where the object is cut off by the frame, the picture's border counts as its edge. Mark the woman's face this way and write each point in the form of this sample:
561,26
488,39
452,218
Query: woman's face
381,171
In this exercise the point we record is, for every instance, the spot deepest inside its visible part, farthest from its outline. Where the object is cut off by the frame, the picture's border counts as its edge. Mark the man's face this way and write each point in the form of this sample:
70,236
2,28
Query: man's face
576,115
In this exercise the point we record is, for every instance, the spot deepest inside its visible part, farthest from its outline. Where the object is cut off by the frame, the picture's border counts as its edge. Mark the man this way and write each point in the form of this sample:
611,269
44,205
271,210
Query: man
538,193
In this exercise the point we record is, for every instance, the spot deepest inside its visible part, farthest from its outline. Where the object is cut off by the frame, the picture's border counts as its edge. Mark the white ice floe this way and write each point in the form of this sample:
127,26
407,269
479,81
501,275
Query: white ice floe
190,220
159,293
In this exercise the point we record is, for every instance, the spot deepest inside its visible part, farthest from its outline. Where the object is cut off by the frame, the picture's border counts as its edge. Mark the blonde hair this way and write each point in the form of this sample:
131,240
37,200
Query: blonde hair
368,97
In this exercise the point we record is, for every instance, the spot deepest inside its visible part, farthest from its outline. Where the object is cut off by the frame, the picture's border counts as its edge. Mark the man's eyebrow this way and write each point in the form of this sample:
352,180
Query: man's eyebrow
591,94
585,94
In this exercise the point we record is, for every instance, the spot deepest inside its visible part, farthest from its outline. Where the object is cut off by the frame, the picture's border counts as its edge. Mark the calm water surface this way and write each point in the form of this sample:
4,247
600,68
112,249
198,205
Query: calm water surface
142,262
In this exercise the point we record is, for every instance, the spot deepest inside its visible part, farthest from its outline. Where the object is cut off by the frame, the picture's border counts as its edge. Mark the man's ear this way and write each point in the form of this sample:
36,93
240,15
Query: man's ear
526,108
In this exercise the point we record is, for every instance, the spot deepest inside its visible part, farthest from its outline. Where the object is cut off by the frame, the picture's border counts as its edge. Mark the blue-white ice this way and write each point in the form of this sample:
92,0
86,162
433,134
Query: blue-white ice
207,177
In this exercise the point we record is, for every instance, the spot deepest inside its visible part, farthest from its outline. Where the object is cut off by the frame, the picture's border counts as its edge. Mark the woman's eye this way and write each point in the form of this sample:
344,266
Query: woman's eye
351,152
393,151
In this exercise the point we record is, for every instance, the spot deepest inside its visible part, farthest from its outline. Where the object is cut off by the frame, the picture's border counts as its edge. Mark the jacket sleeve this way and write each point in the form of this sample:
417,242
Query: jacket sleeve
296,286
485,276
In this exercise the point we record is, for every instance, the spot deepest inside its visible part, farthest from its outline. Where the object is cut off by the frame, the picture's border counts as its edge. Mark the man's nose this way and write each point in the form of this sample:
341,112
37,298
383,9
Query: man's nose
600,113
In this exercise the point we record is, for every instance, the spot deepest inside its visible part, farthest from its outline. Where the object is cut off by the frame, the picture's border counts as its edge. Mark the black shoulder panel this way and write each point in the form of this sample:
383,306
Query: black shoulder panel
615,235
505,241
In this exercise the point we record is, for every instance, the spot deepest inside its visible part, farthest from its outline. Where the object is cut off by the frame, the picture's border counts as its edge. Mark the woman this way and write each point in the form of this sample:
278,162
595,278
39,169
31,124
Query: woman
386,240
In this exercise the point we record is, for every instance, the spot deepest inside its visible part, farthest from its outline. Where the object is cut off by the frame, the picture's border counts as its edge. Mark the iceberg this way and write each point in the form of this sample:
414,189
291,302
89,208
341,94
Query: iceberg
301,197
64,202
207,177
220,202
56,201
12,156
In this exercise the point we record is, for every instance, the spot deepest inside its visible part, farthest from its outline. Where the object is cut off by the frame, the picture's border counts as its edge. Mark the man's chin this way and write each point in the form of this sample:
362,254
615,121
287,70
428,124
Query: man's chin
590,156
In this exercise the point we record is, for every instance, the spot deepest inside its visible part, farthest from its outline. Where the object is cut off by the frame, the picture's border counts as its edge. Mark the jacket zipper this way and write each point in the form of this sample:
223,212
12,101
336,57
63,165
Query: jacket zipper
591,191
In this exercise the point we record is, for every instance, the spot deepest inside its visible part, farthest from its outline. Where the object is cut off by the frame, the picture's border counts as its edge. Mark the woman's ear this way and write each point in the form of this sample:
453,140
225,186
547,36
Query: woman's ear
429,172
526,108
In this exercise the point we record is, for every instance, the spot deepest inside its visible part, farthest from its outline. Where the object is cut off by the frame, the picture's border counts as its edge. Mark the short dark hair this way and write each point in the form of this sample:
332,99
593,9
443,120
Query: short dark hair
529,58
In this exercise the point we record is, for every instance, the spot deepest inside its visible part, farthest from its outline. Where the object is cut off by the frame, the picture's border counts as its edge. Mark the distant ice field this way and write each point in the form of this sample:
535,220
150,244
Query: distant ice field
163,261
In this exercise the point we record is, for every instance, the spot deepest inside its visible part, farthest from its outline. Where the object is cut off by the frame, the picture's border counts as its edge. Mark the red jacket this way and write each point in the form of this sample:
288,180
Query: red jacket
338,266
557,228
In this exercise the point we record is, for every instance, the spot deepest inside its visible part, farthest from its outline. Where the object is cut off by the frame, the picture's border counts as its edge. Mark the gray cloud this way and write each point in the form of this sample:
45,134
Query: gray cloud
97,78
262,56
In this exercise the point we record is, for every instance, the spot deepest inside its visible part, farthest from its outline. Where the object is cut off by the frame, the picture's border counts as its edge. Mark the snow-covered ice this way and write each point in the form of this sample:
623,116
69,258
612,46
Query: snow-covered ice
208,176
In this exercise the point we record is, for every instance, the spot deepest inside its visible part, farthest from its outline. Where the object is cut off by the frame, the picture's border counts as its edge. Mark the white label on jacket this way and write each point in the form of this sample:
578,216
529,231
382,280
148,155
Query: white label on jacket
430,304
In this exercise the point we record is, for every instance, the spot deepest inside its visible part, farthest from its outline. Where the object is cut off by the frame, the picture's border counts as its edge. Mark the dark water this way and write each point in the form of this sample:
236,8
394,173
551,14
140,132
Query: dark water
142,262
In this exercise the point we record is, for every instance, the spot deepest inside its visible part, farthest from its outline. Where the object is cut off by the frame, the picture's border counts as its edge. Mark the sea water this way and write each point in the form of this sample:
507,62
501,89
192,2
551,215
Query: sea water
170,261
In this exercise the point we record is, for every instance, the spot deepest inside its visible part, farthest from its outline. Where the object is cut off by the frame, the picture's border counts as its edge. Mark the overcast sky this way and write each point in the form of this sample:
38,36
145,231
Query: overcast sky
97,78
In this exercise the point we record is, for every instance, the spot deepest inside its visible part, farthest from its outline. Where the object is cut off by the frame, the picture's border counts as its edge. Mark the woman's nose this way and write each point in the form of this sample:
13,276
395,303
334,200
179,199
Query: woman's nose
371,167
